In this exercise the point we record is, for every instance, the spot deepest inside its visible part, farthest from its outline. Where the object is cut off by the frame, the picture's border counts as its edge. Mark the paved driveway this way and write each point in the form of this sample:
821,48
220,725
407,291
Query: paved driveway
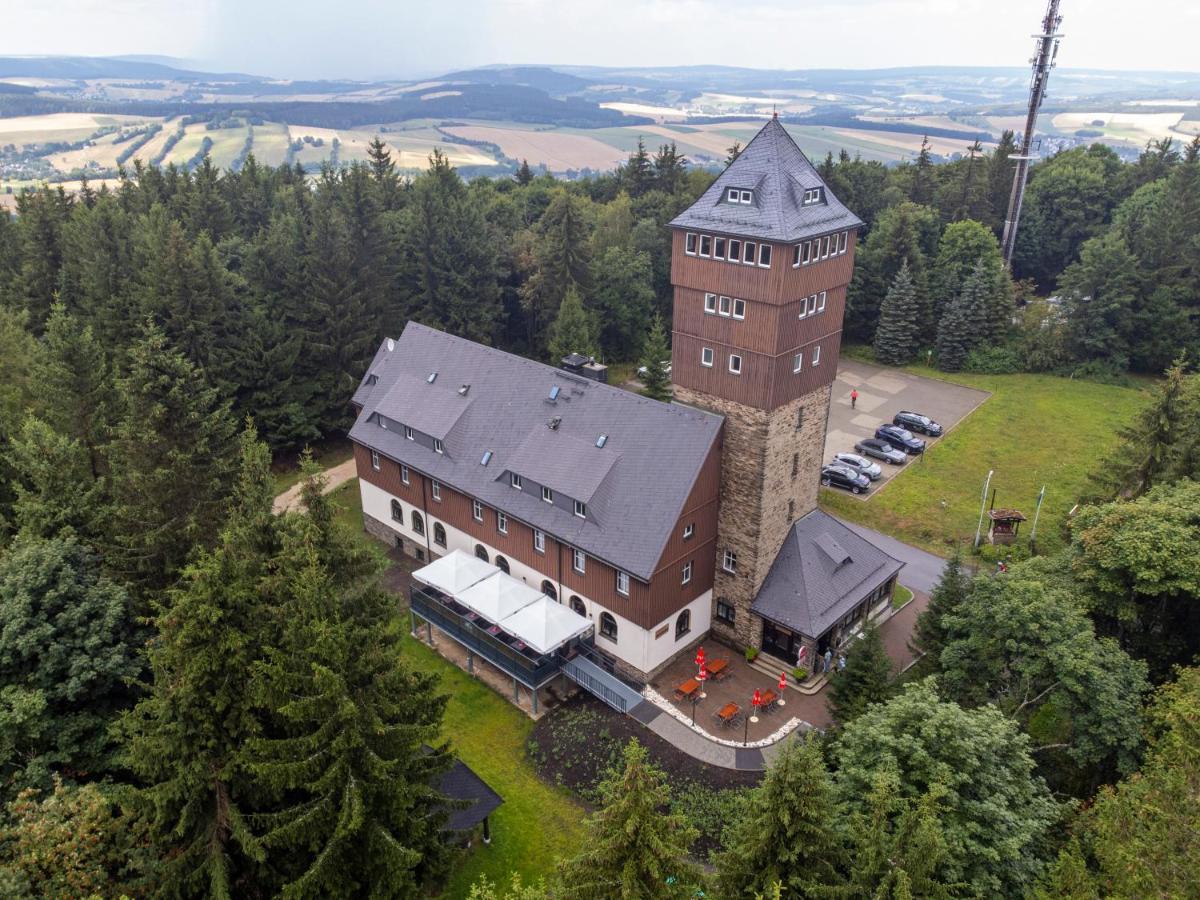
882,393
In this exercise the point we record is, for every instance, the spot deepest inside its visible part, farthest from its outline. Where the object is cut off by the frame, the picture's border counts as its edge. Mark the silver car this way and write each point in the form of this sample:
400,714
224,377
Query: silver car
860,464
881,449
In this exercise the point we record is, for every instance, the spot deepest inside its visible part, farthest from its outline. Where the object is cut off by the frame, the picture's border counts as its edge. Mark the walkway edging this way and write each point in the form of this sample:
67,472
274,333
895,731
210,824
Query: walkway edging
666,706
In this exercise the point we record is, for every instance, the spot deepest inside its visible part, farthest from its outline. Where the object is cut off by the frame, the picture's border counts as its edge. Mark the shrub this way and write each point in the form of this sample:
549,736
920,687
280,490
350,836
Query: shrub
1102,371
799,674
751,654
1002,360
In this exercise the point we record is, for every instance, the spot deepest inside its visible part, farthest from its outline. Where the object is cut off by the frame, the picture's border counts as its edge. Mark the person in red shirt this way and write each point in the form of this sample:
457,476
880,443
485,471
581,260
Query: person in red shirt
853,398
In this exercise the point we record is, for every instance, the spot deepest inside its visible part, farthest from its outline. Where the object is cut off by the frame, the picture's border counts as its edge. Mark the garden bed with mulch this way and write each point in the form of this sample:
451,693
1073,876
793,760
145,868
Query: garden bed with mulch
575,746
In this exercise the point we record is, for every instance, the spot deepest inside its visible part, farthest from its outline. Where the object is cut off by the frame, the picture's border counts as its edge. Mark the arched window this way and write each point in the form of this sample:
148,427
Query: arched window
397,512
481,552
683,624
608,626
502,564
577,606
418,524
548,590
439,534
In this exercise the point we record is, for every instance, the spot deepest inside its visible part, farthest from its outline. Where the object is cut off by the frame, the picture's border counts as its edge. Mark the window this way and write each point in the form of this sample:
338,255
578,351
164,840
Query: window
408,433
539,541
799,418
687,572
821,302
812,304
418,523
581,509
825,247
548,590
843,239
547,495
683,624
735,250
719,248
817,355
803,307
689,530
578,560
725,612
481,552
732,196
805,254
705,245
623,583
735,364
515,480
710,303
764,255
706,357
747,197
577,606
437,446
439,534
739,309
689,244
501,523
749,248
729,563
502,564
795,464
375,460
476,510
397,512
725,307
404,474
436,488
608,626
797,362
791,510
382,422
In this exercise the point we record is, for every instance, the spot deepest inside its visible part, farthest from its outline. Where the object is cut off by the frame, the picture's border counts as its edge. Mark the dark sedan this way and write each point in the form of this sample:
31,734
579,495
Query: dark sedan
900,438
881,450
917,422
844,477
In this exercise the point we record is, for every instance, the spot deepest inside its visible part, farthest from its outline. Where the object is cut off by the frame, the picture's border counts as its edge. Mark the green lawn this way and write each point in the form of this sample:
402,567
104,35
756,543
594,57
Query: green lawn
900,596
1033,430
537,822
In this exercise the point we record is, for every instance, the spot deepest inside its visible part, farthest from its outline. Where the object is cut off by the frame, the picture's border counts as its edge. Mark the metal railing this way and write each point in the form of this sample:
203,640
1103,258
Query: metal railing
616,694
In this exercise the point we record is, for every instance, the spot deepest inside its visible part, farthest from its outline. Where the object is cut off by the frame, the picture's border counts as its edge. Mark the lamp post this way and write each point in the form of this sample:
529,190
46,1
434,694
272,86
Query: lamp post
695,700
782,688
702,676
982,505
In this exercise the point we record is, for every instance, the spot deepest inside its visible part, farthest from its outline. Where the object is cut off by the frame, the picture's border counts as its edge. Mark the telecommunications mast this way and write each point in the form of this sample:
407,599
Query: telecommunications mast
1043,61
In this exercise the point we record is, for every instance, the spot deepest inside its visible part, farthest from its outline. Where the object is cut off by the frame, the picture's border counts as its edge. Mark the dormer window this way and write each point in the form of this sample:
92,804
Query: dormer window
737,195
372,379
813,195
437,446
408,432
515,480
581,509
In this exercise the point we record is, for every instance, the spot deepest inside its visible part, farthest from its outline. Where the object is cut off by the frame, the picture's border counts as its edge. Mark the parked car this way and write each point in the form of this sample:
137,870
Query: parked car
917,422
859,464
881,449
665,364
844,477
900,438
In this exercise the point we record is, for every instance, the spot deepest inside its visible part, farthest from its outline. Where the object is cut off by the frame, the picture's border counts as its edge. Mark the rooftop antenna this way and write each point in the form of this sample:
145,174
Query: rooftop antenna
1045,55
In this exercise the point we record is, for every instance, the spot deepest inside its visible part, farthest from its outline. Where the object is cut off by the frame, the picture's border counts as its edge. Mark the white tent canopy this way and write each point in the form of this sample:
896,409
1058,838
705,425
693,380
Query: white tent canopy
520,610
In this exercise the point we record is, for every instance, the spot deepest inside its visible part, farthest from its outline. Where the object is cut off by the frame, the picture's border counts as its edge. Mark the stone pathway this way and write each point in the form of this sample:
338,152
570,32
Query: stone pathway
334,479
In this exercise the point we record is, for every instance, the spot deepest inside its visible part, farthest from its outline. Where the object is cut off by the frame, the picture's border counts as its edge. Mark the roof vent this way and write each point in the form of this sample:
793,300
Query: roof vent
602,440
391,345
487,458
432,377
462,391
554,422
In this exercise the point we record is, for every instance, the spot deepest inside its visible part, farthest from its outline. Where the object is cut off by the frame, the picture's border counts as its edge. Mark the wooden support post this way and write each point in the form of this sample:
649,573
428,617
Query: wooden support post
534,694
470,662
516,693
429,632
487,831
413,619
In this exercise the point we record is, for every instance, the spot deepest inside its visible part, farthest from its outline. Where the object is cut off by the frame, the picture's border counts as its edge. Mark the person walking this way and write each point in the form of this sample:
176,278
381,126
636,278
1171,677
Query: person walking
841,663
853,398
828,660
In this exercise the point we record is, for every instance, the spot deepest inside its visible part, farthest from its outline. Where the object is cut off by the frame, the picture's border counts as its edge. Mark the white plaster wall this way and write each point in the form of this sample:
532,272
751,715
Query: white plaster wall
377,503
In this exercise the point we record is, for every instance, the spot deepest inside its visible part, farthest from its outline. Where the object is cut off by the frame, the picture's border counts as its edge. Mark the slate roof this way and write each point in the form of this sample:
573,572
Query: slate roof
779,173
461,783
823,571
635,486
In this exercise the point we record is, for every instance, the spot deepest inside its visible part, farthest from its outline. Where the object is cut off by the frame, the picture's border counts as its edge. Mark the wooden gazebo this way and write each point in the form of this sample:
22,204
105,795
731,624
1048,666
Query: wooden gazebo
1004,525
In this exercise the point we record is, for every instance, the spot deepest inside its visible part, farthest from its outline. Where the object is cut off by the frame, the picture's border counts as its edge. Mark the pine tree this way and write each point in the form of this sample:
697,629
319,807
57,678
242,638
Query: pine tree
561,258
966,322
634,848
923,178
624,300
786,829
668,168
524,175
656,384
929,635
898,332
734,151
637,175
56,491
383,171
574,330
1000,178
866,679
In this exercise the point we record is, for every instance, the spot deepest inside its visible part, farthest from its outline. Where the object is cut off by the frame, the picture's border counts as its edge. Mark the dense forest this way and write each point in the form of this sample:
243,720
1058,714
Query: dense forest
201,698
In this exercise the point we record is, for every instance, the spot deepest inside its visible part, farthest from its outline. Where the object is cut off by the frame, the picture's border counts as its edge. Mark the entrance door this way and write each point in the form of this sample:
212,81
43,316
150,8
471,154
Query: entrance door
780,642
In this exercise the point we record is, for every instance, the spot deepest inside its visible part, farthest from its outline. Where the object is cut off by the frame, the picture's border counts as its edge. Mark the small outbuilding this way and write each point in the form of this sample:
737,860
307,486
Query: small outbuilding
1004,524
476,800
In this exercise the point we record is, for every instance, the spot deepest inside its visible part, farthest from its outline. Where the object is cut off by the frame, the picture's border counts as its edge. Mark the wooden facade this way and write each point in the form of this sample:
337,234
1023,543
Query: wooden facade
648,603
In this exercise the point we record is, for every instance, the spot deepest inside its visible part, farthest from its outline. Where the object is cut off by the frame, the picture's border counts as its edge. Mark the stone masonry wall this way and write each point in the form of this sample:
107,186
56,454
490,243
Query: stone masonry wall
766,462
387,535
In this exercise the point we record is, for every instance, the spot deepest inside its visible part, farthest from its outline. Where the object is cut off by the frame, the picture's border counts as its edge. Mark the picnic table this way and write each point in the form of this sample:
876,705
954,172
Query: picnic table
717,669
728,714
687,689
768,700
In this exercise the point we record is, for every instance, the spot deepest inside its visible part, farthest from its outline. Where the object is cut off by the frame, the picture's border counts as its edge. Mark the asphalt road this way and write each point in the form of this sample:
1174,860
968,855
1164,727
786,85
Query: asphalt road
921,570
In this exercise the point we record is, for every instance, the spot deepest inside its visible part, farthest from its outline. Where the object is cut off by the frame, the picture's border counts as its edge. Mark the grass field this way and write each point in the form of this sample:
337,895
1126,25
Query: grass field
270,143
537,822
1034,430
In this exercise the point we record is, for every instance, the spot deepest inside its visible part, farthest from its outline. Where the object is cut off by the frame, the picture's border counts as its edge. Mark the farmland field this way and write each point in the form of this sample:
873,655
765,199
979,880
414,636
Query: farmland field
559,150
68,127
270,143
1136,128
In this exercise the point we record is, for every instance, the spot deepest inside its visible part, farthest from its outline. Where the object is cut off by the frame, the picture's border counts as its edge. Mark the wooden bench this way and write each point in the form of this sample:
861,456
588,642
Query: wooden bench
768,699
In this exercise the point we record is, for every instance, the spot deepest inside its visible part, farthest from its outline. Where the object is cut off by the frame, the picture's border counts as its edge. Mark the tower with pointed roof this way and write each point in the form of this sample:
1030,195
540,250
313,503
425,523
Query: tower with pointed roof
760,266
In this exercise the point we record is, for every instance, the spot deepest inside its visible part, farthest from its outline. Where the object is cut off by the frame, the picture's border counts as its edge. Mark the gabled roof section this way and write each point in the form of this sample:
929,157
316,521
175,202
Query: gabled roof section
779,173
823,571
432,408
635,486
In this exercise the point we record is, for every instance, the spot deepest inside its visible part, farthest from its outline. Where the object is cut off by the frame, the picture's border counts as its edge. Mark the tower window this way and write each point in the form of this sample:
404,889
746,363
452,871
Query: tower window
726,305
739,308
689,244
747,197
797,362
764,255
821,302
791,510
799,418
705,245
735,250
729,562
725,612
710,303
816,355
719,248
795,464
749,248
735,364
706,357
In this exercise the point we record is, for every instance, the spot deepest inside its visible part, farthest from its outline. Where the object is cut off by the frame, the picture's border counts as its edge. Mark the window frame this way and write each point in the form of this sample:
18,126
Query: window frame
607,632
539,540
732,369
732,195
439,529
747,197
691,239
735,250
502,522
688,568
435,488
438,447
843,242
724,605
403,474
689,530
683,624
816,355
825,247
724,306
397,511
706,353
798,363
739,303
710,304
729,561
408,434
622,579
821,302
515,481
418,523
581,509
705,240
719,247
749,252
764,252
547,495
375,460
578,561
476,510
812,304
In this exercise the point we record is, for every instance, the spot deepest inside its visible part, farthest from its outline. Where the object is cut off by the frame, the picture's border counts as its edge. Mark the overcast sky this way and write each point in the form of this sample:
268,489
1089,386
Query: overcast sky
405,38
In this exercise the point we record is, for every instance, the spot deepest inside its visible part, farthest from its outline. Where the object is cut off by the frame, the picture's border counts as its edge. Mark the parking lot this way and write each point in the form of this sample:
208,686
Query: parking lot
881,394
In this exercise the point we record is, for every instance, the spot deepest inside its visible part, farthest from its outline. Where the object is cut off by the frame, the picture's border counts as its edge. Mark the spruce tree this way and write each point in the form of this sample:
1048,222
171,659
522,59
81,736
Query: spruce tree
668,168
966,322
656,384
634,848
923,178
56,492
929,635
574,330
786,829
637,175
866,679
524,174
898,332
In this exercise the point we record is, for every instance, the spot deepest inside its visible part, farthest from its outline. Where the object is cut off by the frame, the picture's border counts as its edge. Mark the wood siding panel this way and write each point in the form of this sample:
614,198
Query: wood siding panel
789,385
795,332
752,387
732,279
388,476
758,331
